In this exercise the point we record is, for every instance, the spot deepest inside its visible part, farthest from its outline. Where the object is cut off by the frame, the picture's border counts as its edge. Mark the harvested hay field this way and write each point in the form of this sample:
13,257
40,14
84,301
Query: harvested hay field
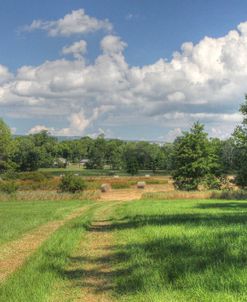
136,193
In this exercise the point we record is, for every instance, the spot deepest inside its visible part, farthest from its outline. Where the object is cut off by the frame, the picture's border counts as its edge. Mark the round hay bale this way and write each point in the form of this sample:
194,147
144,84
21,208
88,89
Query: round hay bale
105,188
147,175
141,185
116,176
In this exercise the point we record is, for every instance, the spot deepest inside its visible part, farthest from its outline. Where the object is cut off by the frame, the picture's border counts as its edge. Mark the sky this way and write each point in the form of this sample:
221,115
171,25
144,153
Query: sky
132,69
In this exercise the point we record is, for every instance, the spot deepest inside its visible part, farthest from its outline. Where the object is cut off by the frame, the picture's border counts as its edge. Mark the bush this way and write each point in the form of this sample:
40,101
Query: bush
111,173
186,183
71,183
35,176
230,195
9,187
10,175
211,182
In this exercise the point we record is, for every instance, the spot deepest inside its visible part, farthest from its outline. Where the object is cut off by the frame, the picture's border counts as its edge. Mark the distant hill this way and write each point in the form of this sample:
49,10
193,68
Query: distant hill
71,138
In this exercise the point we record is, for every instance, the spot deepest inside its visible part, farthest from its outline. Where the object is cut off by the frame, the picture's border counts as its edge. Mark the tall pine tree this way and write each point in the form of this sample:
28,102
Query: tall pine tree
194,161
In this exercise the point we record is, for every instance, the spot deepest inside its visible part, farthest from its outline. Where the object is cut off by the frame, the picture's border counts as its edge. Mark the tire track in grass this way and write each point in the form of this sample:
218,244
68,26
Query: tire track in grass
14,254
89,275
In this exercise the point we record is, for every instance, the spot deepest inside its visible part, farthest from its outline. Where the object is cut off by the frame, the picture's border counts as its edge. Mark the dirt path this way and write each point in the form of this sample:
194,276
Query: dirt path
122,194
89,274
134,193
14,254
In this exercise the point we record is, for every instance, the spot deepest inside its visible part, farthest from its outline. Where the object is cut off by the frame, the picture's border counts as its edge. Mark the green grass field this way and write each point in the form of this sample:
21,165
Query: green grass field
20,217
74,168
177,250
181,251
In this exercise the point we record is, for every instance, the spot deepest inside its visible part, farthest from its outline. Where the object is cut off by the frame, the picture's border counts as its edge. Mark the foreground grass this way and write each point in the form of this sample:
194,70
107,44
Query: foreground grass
173,251
20,217
180,251
34,281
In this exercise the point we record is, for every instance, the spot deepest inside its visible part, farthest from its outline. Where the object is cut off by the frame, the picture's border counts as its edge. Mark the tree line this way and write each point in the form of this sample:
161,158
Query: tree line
41,150
193,158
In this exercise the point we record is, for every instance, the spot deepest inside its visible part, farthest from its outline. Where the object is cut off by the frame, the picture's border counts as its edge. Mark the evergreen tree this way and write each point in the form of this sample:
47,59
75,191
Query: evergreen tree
194,161
6,146
240,156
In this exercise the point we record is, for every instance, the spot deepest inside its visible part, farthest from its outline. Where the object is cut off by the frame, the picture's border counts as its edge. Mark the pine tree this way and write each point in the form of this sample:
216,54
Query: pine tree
240,140
193,159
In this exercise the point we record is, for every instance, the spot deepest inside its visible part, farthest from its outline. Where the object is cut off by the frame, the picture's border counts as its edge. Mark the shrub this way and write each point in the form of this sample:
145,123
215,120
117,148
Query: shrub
230,195
35,176
10,175
71,183
111,173
8,187
211,182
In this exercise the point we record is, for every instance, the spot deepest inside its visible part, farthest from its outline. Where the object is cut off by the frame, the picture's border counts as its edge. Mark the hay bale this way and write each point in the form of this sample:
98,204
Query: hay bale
141,185
147,175
116,176
105,188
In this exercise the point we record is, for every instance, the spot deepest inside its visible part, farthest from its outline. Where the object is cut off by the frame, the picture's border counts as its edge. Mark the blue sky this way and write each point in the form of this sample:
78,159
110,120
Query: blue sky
147,92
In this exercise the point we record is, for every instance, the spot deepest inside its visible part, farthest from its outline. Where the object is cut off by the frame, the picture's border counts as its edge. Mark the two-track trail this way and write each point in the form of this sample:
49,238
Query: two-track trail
89,275
15,253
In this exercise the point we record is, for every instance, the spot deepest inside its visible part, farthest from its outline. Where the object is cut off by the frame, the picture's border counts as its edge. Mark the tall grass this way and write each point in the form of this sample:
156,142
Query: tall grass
43,195
230,195
177,195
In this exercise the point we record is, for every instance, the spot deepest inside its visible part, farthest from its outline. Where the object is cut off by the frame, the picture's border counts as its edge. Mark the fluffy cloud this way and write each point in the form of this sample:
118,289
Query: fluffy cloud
77,22
112,44
205,81
5,74
77,49
39,128
79,122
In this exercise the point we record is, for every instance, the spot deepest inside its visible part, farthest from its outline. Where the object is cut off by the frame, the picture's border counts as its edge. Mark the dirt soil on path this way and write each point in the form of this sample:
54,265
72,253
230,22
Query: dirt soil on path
134,193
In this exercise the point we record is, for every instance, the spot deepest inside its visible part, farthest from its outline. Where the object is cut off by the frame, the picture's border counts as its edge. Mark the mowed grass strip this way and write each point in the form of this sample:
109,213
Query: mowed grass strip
20,217
180,251
88,271
34,281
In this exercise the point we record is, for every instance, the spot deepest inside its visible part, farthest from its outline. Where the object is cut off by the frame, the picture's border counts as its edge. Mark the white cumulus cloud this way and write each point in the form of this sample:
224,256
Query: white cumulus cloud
76,22
5,74
204,81
77,49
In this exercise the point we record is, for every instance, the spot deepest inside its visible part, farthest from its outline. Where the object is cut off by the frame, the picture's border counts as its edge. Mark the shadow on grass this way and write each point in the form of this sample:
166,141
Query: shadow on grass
166,261
195,219
224,205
